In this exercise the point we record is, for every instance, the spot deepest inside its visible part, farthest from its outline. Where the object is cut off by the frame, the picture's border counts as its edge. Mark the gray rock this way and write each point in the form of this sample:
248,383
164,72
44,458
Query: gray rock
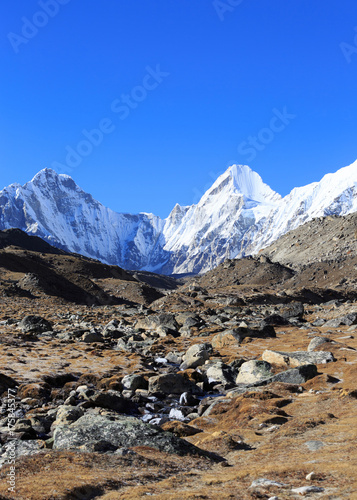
219,372
91,337
196,355
67,415
164,319
349,319
319,322
174,357
298,375
17,448
236,335
314,445
333,323
317,341
120,432
112,400
293,310
266,483
305,490
35,324
135,381
253,371
297,358
171,383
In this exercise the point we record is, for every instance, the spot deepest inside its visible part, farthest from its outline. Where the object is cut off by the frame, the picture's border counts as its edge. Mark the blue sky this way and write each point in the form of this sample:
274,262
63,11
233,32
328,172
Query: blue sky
144,103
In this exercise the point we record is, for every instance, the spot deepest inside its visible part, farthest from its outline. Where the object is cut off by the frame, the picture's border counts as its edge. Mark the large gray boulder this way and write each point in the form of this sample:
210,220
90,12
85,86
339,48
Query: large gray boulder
253,371
35,324
171,383
101,432
196,355
220,373
297,358
236,335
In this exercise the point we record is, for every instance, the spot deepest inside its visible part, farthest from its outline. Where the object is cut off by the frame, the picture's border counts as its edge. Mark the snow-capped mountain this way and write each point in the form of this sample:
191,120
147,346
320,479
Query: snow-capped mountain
237,216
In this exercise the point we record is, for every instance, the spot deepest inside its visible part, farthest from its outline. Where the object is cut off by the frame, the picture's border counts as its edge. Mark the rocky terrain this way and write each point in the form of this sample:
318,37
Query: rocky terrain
237,384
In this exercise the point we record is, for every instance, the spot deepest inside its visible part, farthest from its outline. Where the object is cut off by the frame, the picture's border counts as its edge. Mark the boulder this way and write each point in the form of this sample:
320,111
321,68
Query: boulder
133,382
236,335
171,383
298,358
317,341
196,355
220,373
226,338
111,400
91,337
253,371
113,434
292,310
67,415
35,324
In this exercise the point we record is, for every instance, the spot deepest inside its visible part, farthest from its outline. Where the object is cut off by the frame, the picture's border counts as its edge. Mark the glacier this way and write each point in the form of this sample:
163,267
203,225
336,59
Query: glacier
237,216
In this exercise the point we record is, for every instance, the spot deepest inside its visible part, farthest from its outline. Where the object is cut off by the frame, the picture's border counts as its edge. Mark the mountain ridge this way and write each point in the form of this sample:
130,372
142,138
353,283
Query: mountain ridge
237,216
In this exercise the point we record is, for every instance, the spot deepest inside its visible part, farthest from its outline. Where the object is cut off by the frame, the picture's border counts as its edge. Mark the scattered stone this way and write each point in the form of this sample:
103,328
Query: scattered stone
135,381
91,337
196,355
18,448
293,310
35,324
317,341
305,490
111,400
319,322
120,432
235,336
219,372
67,415
171,383
253,371
298,358
266,483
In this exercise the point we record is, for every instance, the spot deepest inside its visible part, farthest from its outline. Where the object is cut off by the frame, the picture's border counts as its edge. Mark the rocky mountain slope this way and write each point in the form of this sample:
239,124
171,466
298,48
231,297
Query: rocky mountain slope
237,216
31,267
328,238
239,384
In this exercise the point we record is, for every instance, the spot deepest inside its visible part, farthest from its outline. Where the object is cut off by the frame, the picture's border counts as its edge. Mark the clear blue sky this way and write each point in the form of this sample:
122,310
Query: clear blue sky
228,70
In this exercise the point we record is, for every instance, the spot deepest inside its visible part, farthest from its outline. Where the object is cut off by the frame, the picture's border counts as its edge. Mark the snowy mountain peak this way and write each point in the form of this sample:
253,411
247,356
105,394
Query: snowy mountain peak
251,185
242,180
237,216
